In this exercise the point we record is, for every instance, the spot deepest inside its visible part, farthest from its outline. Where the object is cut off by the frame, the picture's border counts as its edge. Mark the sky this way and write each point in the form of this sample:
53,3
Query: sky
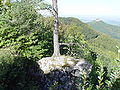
88,7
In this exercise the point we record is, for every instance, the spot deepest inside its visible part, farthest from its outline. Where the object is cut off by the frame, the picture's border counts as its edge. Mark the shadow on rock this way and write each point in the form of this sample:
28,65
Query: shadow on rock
25,74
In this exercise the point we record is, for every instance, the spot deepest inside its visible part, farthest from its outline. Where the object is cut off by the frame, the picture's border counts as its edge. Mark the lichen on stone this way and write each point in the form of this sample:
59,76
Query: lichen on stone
49,64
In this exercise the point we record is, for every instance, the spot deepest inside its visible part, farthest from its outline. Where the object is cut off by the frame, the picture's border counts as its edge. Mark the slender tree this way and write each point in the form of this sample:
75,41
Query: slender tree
55,32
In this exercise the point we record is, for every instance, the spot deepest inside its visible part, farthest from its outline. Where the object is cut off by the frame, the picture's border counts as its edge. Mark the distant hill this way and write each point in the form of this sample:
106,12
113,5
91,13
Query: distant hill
108,29
102,44
85,29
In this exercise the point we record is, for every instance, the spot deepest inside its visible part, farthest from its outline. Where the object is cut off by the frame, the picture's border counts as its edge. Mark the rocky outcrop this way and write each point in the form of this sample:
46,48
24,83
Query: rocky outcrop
62,71
52,63
49,64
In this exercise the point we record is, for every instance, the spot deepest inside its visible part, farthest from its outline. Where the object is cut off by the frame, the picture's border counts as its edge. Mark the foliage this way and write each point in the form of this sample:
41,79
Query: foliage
102,50
73,43
98,79
5,2
24,30
53,87
115,78
86,30
26,35
19,74
101,44
105,46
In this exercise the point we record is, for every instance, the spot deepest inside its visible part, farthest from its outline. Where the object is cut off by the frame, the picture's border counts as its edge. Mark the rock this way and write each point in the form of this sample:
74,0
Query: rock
63,70
51,63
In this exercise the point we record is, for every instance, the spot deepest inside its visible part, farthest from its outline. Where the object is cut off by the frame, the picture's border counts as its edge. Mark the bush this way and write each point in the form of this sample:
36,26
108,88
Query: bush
98,79
21,74
26,31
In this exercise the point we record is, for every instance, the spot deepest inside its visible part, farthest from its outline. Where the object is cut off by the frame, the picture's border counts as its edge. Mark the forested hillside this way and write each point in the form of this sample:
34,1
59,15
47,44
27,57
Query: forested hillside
111,30
26,38
95,39
88,32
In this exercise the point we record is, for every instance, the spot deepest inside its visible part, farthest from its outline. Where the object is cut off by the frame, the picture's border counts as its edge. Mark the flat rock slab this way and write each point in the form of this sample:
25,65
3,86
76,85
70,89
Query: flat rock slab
49,64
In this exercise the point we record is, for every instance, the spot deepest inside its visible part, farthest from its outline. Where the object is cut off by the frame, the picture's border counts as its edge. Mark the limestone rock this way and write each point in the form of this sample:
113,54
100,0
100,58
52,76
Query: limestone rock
51,63
64,70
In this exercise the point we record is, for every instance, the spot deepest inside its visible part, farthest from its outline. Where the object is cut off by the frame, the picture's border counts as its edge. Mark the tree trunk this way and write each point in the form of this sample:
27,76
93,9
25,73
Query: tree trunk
55,32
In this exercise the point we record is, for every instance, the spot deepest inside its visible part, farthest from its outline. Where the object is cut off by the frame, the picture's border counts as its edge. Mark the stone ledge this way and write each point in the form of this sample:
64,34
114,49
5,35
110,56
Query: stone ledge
52,63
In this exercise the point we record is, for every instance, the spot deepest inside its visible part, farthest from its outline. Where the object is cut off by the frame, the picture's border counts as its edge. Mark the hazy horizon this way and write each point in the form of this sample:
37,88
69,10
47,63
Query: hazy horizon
87,10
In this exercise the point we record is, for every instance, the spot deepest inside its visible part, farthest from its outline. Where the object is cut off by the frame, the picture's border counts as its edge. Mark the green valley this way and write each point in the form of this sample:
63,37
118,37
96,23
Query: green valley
103,45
